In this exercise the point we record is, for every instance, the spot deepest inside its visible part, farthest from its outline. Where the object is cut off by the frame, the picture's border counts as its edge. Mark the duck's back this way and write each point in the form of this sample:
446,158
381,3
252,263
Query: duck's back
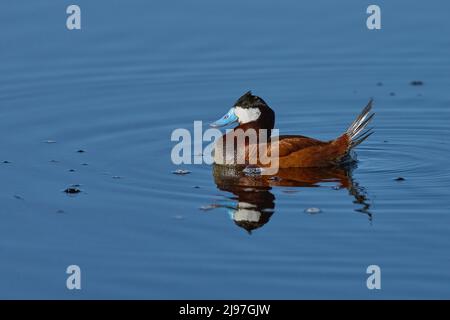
293,152
292,143
301,151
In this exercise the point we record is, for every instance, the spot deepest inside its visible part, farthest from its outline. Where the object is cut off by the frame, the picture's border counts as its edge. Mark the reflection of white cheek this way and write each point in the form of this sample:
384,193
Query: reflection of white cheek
245,205
247,215
245,212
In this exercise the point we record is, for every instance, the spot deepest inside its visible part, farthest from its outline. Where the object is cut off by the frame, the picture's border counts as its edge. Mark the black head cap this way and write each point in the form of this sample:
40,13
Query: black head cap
248,100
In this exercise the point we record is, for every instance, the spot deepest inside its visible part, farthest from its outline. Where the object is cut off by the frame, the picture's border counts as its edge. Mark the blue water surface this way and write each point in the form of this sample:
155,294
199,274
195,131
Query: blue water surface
137,70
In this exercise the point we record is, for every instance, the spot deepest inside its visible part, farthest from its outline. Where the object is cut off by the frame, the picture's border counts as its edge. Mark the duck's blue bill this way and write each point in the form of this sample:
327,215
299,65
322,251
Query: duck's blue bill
227,119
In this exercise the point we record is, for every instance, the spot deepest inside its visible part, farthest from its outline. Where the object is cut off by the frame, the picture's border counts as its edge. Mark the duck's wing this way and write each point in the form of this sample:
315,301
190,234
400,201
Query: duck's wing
289,144
300,151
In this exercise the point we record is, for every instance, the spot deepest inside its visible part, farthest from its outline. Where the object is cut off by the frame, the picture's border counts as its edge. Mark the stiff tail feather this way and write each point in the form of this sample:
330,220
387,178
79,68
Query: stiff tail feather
357,132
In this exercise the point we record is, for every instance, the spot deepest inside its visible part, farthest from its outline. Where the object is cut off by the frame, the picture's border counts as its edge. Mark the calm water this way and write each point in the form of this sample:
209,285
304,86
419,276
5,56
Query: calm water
138,70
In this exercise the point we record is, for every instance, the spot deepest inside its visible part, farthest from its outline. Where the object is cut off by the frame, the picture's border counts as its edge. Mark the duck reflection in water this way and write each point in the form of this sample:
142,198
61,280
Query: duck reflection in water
253,204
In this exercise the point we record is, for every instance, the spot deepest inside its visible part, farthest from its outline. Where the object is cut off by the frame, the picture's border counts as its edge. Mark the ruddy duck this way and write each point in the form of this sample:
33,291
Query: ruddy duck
293,151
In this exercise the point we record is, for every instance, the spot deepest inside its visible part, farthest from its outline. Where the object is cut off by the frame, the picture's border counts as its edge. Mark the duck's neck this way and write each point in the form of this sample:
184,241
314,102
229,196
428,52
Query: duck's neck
259,128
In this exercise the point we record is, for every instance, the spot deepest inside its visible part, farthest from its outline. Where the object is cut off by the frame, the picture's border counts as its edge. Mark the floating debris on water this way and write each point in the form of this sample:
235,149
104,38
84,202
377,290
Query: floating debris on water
288,191
117,177
53,161
209,207
385,141
392,94
49,141
81,151
84,164
416,83
72,170
252,171
181,172
60,211
196,187
379,84
6,161
313,210
399,179
18,197
73,189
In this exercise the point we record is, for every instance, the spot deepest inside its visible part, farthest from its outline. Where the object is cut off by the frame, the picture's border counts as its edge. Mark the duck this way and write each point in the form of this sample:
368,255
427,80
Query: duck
254,116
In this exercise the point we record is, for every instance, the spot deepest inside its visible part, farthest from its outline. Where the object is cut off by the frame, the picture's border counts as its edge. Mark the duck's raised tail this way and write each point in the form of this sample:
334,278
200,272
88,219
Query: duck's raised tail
357,132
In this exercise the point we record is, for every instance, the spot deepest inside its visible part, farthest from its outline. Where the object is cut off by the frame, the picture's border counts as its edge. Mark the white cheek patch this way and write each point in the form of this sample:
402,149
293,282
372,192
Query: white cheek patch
246,115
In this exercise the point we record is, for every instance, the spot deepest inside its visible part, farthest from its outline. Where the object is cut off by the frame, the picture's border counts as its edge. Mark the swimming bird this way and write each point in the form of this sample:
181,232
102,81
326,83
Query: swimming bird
254,116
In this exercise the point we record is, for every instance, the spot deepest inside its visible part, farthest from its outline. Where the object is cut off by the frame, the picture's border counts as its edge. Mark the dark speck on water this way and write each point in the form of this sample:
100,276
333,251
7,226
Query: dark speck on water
290,191
81,151
72,170
416,83
72,189
379,84
181,172
392,94
399,179
18,197
6,162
